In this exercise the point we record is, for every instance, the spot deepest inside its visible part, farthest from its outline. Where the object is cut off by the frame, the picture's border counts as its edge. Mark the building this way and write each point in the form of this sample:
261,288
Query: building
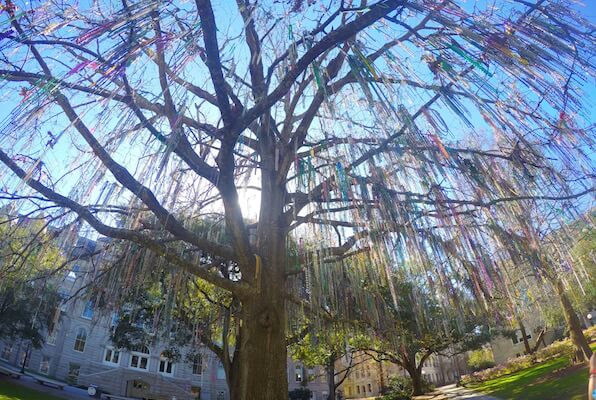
78,350
368,377
313,378
505,348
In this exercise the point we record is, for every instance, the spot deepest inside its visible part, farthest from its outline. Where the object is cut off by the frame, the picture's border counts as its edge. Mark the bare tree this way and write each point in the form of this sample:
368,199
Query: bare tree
334,113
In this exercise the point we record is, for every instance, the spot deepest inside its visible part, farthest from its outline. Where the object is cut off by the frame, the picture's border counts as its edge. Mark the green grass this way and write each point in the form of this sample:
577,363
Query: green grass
538,383
12,391
527,384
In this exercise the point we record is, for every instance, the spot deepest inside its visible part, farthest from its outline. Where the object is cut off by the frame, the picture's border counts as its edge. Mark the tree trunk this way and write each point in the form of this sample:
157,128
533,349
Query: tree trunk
260,367
260,364
330,370
583,350
417,384
381,378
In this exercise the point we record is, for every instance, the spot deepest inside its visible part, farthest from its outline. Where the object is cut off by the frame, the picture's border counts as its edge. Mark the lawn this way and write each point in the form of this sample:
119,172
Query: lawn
12,391
540,382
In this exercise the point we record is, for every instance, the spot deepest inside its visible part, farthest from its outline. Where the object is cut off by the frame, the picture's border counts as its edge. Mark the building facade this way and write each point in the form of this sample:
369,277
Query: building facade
368,377
505,348
79,351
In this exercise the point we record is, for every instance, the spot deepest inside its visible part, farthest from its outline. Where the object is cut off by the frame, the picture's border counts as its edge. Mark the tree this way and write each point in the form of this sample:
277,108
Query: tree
524,247
339,108
421,327
328,344
28,301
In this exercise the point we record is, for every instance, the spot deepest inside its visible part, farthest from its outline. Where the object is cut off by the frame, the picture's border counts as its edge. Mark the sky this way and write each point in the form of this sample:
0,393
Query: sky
62,156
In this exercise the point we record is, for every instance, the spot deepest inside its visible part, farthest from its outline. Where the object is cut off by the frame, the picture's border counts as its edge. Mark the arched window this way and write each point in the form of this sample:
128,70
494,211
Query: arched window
139,358
166,365
80,340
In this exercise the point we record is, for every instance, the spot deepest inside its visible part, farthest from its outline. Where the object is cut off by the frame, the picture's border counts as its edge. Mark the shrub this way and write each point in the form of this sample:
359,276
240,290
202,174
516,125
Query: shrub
509,367
556,349
399,388
300,394
591,333
481,359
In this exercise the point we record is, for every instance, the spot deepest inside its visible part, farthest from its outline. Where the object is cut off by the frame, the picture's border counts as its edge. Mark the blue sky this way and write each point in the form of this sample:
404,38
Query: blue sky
62,154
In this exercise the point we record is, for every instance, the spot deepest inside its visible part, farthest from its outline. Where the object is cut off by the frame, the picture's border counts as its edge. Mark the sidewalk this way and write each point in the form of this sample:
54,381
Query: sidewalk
453,392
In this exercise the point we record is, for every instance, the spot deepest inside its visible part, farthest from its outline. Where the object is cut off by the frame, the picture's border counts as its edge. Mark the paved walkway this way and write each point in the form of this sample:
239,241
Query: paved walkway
453,392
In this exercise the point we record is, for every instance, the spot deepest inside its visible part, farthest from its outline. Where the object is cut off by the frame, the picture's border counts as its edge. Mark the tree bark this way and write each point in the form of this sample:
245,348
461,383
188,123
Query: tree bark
583,350
330,370
417,384
259,370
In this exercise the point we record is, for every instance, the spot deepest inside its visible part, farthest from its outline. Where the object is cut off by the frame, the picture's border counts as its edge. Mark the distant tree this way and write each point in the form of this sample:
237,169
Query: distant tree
419,327
28,299
328,344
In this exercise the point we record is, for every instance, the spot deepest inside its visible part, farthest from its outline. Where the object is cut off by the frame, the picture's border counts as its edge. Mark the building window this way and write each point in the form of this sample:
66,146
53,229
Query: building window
6,352
73,373
197,365
88,311
166,366
80,340
139,357
111,356
298,373
369,388
368,370
44,365
358,388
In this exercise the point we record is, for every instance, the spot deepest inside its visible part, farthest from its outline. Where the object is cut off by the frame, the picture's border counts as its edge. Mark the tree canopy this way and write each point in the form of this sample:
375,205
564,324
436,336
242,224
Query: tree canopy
383,132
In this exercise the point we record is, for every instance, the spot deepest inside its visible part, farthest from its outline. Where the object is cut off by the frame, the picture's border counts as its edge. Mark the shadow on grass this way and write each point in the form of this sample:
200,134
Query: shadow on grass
540,382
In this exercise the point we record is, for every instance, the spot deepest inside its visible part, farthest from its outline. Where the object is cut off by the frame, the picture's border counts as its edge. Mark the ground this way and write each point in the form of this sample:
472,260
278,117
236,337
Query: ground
550,380
12,391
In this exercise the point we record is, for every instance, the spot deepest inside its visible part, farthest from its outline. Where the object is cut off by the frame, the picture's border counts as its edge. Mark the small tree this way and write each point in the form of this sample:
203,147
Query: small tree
328,344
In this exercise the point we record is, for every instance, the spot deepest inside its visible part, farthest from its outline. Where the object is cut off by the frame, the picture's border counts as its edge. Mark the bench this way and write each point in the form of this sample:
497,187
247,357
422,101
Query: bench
49,382
10,372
